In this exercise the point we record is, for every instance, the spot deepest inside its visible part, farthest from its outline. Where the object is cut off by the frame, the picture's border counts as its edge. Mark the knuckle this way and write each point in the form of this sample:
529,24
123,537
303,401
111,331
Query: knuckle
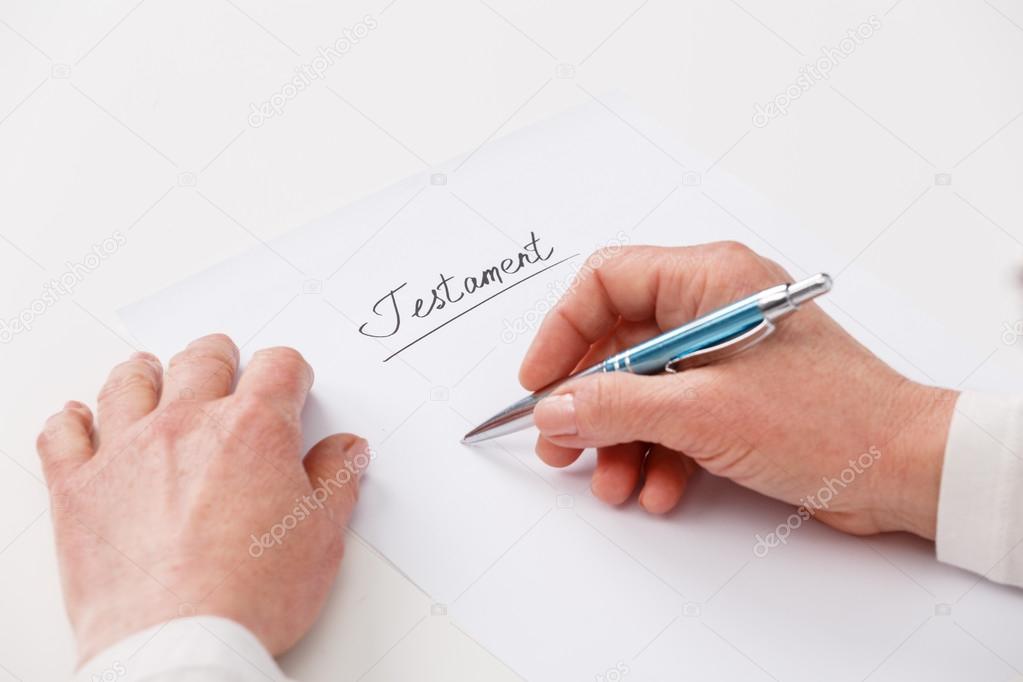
596,402
211,358
52,429
734,250
44,440
125,380
282,355
598,258
218,363
178,359
80,413
663,404
287,362
616,392
54,419
606,258
632,250
213,345
774,269
217,339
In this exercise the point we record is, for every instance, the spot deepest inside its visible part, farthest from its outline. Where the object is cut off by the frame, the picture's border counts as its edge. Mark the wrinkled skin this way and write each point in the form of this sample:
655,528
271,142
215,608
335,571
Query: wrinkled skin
777,419
156,505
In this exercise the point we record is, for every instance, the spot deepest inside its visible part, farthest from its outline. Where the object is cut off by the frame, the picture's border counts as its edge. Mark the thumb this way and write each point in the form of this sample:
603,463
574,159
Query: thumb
620,407
334,466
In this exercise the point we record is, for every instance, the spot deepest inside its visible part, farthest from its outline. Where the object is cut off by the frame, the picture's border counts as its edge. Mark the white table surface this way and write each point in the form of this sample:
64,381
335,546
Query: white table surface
135,117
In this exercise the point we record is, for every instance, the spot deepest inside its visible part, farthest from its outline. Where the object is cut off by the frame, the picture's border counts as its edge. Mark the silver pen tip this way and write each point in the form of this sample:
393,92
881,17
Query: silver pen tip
478,435
484,432
515,418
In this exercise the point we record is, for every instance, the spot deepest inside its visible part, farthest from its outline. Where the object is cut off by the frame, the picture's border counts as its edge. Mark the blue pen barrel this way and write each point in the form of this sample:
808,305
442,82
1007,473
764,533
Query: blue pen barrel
716,336
651,356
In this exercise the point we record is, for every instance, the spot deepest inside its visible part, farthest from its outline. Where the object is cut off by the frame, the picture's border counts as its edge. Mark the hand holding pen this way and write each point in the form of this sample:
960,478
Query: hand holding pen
778,419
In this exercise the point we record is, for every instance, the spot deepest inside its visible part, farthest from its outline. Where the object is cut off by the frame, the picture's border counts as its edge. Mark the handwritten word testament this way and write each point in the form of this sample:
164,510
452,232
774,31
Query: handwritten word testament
392,308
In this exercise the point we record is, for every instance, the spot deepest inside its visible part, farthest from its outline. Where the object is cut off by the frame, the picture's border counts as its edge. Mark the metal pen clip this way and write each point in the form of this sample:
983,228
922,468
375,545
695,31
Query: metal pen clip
733,346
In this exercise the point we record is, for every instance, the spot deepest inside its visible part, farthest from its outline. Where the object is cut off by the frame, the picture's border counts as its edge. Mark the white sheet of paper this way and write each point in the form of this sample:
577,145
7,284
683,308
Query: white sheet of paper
555,584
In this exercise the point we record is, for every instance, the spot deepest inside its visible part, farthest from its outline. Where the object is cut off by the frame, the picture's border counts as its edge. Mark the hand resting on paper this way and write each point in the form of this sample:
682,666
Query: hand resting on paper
185,498
810,416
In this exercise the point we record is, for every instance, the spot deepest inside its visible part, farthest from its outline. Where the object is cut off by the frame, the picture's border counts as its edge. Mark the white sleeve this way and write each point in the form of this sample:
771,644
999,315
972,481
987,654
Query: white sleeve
980,508
197,649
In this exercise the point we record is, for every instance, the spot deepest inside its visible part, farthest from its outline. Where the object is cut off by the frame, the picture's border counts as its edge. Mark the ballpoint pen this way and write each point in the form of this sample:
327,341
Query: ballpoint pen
713,337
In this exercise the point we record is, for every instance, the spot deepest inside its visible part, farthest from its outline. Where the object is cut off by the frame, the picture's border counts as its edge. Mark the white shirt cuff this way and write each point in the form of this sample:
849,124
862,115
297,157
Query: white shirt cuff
200,648
980,508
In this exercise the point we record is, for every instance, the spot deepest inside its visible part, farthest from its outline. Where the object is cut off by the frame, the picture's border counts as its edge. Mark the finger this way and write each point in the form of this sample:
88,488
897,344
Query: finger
556,455
203,371
666,285
625,285
666,474
625,335
617,472
279,376
65,442
619,407
334,466
131,392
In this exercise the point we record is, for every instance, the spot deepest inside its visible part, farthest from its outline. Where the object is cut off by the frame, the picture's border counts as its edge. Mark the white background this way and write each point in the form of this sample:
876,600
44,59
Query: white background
134,117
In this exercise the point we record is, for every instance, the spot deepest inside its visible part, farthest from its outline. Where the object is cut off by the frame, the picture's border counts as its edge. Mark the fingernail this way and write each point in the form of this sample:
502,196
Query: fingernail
555,416
646,499
142,355
72,404
360,455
